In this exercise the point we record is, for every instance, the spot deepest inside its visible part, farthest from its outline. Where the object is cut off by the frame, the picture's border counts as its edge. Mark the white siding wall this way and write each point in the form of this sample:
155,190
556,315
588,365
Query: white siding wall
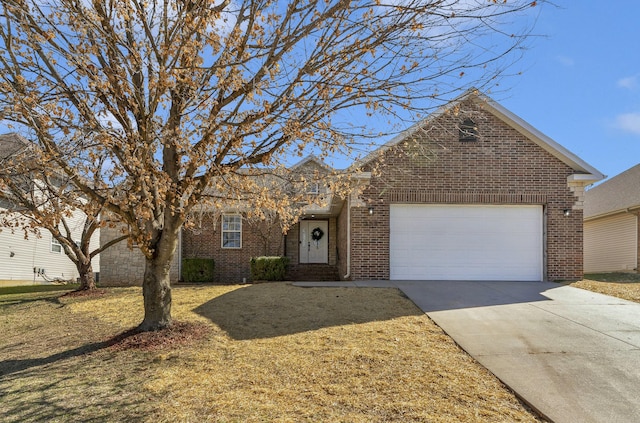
36,252
611,243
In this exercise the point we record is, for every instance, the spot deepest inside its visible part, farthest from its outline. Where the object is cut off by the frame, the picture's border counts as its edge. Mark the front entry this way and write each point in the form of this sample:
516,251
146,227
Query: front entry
314,241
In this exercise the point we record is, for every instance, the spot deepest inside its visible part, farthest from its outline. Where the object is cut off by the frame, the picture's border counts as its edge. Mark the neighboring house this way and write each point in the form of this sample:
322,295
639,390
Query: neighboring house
470,193
611,224
35,259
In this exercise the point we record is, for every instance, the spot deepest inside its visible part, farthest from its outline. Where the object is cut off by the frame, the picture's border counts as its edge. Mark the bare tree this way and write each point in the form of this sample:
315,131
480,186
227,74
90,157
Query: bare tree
36,197
181,97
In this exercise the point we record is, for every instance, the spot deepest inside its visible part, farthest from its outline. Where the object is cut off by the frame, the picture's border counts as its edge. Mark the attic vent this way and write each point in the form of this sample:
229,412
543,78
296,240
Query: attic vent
468,130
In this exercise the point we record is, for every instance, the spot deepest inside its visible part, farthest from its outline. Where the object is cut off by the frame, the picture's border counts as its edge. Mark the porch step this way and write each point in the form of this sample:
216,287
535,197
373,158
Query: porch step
313,272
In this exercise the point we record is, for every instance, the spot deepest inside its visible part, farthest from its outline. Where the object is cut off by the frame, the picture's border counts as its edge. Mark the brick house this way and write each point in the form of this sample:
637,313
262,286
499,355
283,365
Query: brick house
471,193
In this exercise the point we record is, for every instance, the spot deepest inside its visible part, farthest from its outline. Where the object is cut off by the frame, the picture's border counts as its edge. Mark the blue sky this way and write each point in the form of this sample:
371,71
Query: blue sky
580,82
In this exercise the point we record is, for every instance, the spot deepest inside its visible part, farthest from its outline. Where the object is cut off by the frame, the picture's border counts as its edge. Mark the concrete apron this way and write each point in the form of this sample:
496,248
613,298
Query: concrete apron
571,354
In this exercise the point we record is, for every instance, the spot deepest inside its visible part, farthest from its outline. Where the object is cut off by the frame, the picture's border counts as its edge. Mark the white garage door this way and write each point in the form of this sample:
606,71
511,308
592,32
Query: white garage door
466,242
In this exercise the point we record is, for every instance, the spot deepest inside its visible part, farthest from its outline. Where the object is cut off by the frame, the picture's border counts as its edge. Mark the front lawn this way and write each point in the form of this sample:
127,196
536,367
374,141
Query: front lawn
621,285
259,353
23,289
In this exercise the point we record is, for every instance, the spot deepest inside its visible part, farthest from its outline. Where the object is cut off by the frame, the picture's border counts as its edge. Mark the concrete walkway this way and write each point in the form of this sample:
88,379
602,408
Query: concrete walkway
571,354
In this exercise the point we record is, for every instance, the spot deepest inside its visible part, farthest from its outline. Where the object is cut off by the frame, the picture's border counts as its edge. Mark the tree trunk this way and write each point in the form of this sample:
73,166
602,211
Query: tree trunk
156,285
87,281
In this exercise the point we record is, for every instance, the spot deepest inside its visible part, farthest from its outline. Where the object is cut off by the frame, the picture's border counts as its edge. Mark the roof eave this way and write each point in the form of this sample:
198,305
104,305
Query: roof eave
541,139
312,158
507,117
411,130
584,178
612,213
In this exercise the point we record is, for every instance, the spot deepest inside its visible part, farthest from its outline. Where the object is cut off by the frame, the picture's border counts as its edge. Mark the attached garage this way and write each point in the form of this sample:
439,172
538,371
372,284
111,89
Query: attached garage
471,192
466,242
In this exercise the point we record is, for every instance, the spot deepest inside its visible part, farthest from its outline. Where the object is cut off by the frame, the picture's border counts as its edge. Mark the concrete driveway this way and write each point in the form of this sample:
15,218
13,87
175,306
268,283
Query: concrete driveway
572,354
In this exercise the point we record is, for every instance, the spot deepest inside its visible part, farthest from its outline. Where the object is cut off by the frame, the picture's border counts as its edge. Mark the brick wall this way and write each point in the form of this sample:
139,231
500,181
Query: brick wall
333,246
232,264
434,167
370,243
341,242
124,266
292,241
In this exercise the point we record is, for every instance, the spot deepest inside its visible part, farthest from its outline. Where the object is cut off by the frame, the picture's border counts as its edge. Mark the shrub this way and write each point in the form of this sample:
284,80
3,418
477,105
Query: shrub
268,268
197,269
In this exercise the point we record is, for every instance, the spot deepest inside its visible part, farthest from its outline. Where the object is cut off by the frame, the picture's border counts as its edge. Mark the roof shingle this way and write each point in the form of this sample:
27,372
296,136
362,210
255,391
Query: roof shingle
11,144
616,194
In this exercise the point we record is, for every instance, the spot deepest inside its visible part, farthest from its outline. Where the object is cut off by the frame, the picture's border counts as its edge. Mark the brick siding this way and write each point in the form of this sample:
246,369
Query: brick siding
232,264
293,242
434,167
431,167
341,242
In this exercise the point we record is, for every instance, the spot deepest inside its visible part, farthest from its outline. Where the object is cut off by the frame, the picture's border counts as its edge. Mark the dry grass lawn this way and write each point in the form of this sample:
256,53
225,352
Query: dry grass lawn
621,285
270,353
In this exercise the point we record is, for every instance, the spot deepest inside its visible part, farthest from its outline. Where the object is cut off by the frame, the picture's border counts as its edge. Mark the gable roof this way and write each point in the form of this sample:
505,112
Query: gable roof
589,173
618,194
10,144
311,158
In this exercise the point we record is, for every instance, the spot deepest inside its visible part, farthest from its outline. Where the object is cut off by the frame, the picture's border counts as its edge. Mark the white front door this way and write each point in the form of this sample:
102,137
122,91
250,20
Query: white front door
314,241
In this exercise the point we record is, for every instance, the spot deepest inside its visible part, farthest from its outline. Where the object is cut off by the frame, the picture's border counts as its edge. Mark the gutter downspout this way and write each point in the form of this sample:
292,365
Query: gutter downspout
346,277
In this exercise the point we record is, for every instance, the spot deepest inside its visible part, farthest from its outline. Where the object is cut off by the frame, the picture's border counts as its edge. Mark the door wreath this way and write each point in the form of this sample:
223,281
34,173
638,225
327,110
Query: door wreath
317,234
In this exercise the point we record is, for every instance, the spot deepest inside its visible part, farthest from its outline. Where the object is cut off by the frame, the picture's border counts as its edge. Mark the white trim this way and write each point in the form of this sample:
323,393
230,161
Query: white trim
509,118
348,239
223,231
630,210
312,158
55,243
581,178
305,242
314,188
541,139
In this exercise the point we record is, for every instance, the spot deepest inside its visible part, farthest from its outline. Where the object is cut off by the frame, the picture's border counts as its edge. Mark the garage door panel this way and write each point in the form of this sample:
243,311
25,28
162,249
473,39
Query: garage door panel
463,242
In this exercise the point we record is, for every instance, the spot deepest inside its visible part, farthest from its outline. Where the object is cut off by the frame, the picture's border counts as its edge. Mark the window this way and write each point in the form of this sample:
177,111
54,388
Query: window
313,188
56,247
231,231
468,130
